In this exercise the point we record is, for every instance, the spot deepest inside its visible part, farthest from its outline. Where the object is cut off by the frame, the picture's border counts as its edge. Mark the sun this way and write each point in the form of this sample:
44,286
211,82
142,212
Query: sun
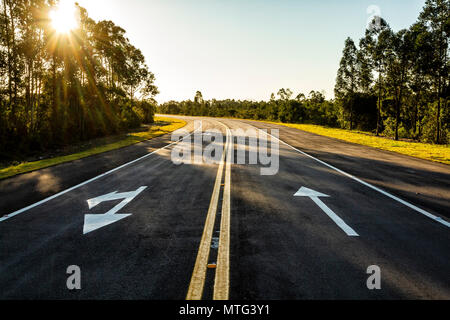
64,18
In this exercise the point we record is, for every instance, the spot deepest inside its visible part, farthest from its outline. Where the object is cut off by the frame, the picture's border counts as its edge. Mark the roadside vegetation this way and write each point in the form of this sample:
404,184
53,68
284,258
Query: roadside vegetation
433,152
161,126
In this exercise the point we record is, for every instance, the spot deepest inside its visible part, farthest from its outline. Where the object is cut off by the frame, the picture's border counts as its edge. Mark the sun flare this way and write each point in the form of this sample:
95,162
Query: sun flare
64,18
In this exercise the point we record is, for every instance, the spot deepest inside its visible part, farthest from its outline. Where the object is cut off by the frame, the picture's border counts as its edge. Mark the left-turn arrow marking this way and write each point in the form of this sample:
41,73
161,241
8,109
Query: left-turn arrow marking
93,222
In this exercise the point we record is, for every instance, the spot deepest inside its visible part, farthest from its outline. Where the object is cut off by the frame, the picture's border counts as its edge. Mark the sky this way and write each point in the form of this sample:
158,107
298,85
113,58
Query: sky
246,49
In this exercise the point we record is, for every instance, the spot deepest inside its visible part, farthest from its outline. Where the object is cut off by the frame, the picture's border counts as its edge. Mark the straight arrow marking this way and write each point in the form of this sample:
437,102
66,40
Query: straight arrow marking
314,195
387,194
341,224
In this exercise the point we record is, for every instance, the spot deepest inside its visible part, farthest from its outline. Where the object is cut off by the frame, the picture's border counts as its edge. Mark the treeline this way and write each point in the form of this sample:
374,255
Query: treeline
395,84
61,88
398,82
282,107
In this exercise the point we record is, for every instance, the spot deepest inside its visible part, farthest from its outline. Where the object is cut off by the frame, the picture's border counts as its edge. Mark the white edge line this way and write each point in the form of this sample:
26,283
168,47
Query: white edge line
15,213
421,211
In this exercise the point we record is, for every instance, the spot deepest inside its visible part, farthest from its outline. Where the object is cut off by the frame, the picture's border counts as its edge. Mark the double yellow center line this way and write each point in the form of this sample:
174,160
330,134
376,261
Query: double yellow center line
222,276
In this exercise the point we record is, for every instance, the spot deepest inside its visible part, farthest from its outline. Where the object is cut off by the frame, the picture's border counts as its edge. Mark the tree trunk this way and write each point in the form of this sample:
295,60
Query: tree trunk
397,114
8,45
14,55
397,120
54,119
416,115
438,114
379,103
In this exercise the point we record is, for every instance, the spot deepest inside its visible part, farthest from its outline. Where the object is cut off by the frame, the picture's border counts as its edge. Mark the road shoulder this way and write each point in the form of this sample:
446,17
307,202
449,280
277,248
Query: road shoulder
28,188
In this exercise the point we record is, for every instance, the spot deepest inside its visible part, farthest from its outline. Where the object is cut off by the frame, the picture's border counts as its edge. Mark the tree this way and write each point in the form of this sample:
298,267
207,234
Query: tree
399,61
198,99
285,94
364,68
346,81
300,97
436,18
419,83
375,44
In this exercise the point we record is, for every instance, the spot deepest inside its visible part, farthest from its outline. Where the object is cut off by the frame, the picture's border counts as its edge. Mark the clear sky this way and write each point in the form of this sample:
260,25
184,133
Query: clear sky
245,49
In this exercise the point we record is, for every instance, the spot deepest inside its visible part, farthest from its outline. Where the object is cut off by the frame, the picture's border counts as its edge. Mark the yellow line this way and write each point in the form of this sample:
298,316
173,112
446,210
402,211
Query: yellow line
222,279
197,283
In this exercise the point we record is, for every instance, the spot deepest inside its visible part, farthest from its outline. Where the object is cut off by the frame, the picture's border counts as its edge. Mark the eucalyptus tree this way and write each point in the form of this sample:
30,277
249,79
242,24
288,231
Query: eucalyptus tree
300,97
347,79
285,94
399,62
375,43
419,82
364,68
198,99
436,18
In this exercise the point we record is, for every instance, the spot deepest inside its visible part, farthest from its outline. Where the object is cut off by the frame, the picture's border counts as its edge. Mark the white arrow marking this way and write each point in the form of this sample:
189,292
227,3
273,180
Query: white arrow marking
314,195
114,196
96,221
93,222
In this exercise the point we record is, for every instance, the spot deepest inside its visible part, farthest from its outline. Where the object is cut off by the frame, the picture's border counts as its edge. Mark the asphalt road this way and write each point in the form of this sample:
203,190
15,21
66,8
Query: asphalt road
359,207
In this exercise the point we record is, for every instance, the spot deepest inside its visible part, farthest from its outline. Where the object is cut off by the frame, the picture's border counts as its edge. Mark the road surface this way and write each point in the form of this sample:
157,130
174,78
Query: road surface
139,226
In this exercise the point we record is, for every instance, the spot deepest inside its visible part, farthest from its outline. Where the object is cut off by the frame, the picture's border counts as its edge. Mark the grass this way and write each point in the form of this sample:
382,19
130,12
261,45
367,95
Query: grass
163,125
437,153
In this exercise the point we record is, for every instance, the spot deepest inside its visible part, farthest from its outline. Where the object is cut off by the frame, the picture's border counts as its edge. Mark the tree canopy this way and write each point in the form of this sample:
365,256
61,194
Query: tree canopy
59,88
412,71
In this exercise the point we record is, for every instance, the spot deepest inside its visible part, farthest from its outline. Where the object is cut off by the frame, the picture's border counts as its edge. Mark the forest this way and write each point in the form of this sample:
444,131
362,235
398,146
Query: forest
59,88
394,84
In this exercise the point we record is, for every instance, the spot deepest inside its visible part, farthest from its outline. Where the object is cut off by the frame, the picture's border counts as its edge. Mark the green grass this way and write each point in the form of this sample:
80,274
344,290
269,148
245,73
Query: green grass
163,126
437,153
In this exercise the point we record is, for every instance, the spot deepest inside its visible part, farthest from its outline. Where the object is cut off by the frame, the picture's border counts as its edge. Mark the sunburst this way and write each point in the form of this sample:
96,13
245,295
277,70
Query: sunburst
65,17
